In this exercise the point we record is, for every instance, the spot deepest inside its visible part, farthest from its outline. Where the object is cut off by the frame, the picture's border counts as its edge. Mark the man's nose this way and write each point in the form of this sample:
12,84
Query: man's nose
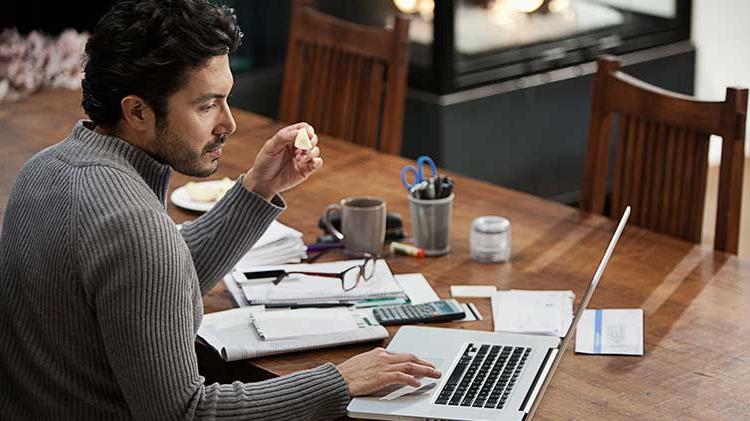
227,124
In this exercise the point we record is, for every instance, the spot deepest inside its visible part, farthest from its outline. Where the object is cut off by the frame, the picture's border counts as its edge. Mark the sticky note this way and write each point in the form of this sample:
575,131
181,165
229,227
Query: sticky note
473,290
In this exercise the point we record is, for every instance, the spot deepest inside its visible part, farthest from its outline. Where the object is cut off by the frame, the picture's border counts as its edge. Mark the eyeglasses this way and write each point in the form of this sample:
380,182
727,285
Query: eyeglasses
350,277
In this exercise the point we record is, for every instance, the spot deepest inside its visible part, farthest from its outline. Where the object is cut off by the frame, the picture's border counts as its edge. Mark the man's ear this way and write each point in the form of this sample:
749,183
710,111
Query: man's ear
136,114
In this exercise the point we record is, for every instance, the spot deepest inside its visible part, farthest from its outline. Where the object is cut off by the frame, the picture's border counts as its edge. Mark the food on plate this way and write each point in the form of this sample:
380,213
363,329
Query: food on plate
208,191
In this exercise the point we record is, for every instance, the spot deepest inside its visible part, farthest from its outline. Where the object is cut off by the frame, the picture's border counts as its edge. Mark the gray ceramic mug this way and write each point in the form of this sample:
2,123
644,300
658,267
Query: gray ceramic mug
362,224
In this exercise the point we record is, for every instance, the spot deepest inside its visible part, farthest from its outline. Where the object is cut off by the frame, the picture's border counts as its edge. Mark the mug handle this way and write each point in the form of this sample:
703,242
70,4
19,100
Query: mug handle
329,226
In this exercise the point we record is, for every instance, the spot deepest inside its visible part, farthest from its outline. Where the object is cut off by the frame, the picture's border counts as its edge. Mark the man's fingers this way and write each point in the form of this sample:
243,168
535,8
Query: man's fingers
313,165
291,131
307,168
397,377
305,157
415,369
402,358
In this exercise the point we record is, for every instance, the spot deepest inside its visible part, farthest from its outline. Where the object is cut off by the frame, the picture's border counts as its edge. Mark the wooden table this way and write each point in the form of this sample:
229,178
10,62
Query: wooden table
696,301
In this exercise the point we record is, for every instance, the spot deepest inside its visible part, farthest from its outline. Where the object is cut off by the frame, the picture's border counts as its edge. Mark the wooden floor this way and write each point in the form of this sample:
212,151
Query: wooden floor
709,216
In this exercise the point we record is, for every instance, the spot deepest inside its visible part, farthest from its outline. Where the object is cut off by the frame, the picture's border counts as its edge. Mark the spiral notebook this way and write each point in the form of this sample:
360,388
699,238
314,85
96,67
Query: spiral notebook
234,335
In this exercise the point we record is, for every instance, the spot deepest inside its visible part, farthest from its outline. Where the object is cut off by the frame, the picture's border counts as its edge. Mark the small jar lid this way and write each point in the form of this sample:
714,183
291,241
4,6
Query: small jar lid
491,224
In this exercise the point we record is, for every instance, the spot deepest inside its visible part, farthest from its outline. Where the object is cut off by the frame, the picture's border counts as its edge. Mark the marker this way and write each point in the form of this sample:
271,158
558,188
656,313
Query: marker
316,247
406,249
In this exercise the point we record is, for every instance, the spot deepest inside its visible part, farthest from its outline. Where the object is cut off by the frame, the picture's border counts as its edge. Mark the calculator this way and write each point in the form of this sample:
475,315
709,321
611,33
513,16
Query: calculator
436,311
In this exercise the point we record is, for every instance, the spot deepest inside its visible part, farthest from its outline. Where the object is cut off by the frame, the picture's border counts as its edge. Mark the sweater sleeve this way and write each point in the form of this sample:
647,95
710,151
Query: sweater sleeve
219,238
142,286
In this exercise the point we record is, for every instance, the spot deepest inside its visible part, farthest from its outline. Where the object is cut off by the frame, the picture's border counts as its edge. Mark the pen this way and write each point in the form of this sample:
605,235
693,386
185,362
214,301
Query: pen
309,305
316,247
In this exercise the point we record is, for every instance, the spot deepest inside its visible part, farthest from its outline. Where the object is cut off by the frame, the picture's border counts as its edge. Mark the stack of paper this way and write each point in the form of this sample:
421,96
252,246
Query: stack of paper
541,312
288,324
279,244
233,334
306,289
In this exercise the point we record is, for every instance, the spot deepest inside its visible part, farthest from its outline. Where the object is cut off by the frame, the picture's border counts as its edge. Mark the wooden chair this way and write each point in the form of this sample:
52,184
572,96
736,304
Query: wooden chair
662,156
347,80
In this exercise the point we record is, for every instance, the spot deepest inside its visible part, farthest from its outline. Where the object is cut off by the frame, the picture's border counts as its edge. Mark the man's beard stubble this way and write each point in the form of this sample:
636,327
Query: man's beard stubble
175,152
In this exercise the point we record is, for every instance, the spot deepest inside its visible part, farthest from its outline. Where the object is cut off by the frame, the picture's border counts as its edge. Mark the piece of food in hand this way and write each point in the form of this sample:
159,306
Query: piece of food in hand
210,191
302,141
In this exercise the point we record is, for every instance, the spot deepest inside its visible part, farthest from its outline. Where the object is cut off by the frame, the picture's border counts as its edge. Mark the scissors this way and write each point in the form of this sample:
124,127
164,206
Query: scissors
417,172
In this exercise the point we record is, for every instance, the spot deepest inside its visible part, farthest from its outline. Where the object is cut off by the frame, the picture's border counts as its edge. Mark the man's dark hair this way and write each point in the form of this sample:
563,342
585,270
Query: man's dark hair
145,48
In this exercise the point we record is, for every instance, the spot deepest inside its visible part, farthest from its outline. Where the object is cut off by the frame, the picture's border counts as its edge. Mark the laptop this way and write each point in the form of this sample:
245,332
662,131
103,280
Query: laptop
486,375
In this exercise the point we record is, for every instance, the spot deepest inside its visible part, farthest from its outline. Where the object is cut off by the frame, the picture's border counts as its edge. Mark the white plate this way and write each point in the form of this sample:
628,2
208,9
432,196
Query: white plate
181,198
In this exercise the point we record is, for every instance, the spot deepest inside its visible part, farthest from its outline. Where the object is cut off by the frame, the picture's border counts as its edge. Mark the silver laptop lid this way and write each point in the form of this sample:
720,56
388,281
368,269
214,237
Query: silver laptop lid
581,307
597,276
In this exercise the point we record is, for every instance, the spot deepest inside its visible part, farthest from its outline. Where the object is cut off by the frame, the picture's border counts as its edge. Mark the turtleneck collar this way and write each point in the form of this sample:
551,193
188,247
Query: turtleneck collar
100,148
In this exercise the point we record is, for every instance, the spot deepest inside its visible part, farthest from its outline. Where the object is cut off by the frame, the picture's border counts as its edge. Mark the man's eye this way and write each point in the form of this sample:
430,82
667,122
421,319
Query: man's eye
208,107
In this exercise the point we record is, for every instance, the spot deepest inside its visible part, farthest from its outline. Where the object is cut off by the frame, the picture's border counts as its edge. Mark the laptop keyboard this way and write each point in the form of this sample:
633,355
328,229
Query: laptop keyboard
484,376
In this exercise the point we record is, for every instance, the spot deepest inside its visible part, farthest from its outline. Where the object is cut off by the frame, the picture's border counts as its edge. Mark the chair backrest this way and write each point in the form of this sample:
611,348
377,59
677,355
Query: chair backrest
347,80
662,156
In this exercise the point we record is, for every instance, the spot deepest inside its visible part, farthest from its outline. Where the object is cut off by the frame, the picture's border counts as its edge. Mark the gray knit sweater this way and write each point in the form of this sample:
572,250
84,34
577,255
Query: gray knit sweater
100,295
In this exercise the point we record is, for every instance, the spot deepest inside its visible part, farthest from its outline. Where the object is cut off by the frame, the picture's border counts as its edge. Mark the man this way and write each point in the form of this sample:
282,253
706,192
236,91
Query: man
100,295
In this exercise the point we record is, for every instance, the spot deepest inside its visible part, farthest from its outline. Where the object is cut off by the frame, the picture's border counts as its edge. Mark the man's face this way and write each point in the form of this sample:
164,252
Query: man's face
198,120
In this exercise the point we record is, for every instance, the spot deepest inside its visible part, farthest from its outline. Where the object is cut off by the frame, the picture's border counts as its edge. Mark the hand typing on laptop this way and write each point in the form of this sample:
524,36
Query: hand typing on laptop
377,369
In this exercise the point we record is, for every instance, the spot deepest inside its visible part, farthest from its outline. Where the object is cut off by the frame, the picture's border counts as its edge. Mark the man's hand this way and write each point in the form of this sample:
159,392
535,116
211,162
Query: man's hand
377,369
279,166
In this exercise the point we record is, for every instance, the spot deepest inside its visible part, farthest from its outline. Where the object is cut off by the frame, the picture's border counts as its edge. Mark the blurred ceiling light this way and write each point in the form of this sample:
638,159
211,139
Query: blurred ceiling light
502,14
557,6
525,6
426,9
406,6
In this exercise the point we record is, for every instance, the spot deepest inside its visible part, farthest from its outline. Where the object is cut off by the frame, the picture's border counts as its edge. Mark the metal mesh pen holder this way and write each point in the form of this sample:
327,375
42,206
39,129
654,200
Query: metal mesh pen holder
431,224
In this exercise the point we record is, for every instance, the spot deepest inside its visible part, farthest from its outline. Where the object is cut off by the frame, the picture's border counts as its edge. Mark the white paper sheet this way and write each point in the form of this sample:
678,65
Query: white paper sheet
473,290
417,288
611,331
286,324
540,312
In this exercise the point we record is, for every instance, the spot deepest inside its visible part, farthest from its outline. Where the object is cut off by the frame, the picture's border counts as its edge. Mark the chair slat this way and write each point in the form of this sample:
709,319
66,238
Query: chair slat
332,83
648,172
688,183
627,178
637,170
679,173
372,113
669,174
351,100
659,169
699,199
617,205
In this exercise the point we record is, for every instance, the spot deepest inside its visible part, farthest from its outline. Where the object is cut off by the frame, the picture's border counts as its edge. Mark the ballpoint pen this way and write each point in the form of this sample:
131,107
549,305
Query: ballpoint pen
316,247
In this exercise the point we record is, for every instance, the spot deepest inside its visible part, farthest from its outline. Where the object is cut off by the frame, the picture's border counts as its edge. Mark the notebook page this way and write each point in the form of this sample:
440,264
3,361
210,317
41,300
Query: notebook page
287,324
232,334
275,232
304,288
